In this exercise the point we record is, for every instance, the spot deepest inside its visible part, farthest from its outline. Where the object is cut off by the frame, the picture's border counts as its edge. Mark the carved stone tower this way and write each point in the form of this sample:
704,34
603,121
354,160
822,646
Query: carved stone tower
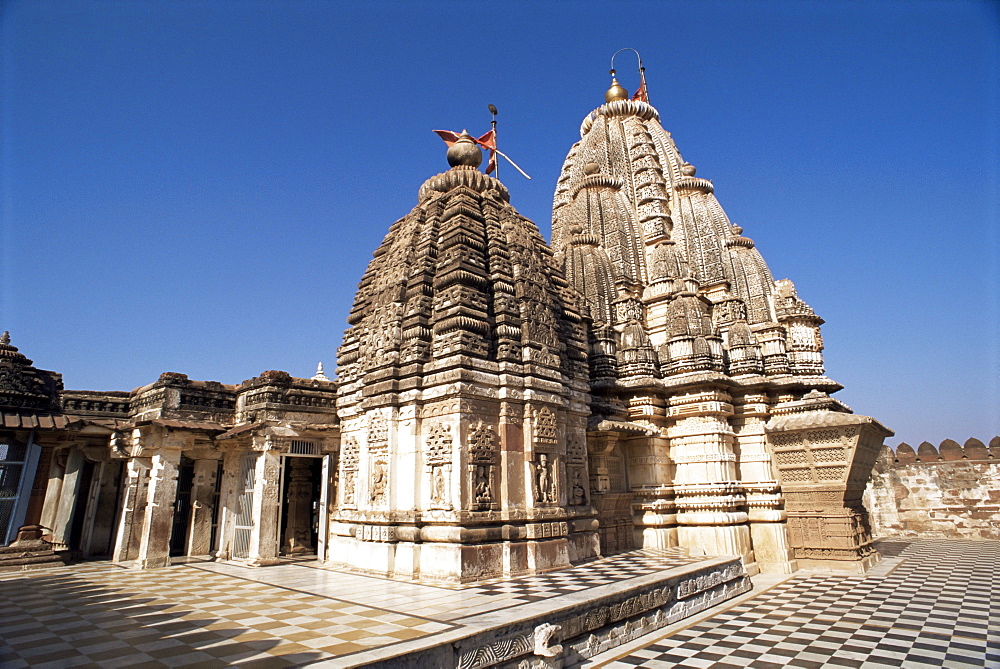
463,395
712,423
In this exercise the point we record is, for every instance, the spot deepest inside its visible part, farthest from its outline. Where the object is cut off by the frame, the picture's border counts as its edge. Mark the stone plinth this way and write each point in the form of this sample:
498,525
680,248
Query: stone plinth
30,551
824,459
567,629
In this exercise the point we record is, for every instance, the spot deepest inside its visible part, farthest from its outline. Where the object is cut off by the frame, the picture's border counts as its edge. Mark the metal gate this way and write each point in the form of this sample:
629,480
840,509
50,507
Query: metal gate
12,460
244,517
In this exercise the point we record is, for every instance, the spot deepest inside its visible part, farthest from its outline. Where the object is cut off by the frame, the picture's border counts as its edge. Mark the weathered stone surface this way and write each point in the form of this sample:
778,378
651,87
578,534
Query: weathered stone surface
952,491
507,407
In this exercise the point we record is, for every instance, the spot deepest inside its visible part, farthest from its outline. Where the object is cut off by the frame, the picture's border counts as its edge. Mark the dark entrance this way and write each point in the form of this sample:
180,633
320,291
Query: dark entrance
182,507
86,476
614,502
302,480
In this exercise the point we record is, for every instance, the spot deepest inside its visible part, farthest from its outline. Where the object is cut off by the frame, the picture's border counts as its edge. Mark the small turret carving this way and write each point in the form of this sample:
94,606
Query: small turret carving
635,354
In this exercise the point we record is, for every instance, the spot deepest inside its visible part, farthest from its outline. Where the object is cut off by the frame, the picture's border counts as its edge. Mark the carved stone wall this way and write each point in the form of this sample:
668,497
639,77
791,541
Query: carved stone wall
694,339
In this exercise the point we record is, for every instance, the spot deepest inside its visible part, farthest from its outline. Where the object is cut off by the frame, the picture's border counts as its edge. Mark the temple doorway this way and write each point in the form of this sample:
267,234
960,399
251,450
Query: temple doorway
613,501
301,484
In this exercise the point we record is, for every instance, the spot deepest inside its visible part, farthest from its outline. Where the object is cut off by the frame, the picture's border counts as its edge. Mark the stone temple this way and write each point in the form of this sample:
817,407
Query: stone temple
502,406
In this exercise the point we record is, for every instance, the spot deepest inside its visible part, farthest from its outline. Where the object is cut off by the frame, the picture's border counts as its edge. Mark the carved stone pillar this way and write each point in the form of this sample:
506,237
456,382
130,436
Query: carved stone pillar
158,517
765,506
53,489
202,507
229,489
298,508
326,500
655,507
711,502
133,510
264,536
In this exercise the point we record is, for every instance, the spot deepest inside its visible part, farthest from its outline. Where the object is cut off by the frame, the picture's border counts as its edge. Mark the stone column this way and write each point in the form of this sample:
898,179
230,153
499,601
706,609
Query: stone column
267,485
133,506
765,506
161,496
199,541
229,493
326,501
63,520
510,481
53,490
298,511
711,502
651,473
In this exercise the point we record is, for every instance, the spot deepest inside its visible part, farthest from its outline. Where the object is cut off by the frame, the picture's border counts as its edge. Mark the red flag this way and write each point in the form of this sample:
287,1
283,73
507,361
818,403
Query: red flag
489,141
640,95
448,136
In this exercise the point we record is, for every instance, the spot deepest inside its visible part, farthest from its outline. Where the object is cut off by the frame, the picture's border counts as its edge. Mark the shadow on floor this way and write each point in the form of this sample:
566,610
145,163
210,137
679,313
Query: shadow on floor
62,619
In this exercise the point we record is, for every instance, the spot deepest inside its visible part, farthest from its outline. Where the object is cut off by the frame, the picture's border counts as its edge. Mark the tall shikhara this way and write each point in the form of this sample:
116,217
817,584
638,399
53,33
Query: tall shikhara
463,395
712,423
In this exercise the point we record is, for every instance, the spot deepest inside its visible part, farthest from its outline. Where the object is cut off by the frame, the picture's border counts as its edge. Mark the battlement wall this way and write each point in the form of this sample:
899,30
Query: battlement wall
949,490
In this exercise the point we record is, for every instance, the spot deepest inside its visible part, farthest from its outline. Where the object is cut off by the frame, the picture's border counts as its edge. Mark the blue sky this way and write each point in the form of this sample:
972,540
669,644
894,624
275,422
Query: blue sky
198,186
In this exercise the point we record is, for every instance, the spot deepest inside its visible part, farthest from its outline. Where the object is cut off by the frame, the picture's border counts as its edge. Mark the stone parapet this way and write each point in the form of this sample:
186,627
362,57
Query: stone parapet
949,491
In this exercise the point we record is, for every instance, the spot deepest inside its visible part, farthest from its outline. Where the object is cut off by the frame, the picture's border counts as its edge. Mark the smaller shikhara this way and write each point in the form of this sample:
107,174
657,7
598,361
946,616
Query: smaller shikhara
463,395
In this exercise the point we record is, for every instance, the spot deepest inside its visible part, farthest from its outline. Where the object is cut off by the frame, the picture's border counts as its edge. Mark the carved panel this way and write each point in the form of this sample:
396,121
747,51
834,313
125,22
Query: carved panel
544,427
439,444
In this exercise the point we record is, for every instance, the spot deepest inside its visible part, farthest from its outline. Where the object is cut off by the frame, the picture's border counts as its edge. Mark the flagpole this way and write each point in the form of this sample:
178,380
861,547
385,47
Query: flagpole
516,167
493,123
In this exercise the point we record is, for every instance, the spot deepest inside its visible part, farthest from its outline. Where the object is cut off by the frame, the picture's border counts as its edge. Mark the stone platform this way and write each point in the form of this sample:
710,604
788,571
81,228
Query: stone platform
301,613
30,551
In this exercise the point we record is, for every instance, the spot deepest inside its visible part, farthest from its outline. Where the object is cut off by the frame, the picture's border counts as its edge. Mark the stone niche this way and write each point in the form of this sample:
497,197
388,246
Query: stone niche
824,459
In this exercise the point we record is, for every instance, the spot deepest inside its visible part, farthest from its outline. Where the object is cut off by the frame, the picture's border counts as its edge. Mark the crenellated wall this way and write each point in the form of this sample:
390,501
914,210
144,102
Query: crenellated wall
946,491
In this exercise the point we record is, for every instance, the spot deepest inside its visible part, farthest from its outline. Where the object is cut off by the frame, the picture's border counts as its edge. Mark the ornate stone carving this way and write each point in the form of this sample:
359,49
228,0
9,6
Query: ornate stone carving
349,459
482,461
544,430
546,491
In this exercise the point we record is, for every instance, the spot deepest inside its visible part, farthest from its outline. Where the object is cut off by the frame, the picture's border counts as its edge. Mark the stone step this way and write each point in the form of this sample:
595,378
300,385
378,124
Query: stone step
566,629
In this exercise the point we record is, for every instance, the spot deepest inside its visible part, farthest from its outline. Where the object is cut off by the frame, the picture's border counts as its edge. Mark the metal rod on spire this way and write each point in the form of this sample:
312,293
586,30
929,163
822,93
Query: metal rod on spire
516,167
641,94
493,124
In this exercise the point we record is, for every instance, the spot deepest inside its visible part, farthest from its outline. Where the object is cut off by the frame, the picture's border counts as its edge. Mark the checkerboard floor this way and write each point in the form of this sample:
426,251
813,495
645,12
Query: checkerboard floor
101,615
206,614
932,603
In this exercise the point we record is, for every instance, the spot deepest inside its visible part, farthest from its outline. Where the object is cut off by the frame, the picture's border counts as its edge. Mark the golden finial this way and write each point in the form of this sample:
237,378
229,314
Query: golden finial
617,91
